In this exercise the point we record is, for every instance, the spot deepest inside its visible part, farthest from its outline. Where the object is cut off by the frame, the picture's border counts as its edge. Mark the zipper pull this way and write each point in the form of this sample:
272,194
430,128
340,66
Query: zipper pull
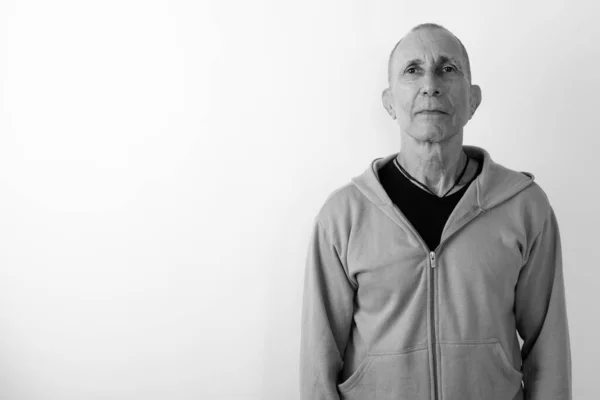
432,259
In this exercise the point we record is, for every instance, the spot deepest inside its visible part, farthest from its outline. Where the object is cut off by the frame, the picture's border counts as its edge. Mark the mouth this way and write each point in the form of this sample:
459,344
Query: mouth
432,112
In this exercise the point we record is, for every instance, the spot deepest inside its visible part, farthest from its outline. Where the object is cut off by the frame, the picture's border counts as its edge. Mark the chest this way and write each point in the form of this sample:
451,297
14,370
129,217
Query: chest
481,259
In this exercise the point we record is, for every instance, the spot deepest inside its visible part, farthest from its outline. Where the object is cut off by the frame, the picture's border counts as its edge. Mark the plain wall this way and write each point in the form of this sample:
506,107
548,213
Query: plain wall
161,163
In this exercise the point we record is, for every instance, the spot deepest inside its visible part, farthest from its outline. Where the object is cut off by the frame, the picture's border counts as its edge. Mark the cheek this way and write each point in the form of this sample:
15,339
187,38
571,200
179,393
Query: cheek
404,101
461,108
404,114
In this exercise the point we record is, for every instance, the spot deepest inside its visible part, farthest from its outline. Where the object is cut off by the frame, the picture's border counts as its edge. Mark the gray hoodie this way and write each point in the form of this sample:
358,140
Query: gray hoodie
384,317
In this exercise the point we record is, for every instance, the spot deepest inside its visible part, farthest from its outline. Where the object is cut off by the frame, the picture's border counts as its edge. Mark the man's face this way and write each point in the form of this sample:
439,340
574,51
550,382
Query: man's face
430,93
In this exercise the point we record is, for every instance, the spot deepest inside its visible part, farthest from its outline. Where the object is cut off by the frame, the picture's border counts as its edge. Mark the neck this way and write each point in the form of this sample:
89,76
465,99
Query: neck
437,165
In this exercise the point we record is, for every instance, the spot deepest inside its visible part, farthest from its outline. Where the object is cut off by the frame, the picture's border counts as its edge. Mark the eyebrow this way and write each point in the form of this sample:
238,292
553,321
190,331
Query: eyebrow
442,60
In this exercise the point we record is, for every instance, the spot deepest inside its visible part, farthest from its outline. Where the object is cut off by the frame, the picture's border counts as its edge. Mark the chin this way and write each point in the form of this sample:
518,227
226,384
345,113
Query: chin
433,132
429,134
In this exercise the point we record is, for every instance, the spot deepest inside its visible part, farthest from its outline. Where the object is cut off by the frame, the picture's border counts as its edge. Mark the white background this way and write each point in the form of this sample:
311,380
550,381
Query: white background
161,163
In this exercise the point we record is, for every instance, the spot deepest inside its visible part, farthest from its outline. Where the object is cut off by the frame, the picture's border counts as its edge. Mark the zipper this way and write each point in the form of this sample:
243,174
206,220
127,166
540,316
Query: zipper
432,319
432,258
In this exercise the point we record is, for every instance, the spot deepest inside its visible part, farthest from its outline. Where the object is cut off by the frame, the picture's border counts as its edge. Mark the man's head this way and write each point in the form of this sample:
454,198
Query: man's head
430,91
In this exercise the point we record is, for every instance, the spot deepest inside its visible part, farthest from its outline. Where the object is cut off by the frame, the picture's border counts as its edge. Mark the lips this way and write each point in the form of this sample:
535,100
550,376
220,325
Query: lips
432,111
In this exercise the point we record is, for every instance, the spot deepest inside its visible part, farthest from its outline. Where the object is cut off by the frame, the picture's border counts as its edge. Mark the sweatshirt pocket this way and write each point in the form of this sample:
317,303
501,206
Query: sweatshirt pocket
474,370
400,375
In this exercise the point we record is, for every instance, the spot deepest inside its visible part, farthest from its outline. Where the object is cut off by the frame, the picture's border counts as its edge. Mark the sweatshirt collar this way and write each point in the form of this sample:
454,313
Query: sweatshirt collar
494,185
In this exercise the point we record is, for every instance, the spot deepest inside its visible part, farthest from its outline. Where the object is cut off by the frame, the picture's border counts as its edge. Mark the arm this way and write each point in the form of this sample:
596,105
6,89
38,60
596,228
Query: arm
541,316
327,311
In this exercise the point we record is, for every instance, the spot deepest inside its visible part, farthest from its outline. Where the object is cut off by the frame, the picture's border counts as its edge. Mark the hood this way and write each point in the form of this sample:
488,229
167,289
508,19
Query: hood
494,185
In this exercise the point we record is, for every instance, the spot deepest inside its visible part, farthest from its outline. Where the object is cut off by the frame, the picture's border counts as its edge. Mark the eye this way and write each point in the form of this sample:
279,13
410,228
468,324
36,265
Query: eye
411,70
448,68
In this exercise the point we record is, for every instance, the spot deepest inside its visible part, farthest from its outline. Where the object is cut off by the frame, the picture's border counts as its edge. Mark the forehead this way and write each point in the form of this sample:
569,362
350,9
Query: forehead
426,44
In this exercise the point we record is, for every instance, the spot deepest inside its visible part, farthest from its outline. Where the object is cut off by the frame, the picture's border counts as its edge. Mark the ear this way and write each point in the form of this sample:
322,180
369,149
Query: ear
388,102
475,99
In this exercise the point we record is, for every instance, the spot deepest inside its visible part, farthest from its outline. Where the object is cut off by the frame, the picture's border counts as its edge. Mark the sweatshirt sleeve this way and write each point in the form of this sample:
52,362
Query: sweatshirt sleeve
541,317
327,311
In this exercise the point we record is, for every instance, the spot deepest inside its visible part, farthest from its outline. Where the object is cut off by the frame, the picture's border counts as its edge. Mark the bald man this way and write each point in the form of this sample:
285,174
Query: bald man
422,270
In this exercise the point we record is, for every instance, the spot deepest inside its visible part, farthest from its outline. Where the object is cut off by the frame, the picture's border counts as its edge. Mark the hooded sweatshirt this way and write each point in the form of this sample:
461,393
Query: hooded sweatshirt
384,317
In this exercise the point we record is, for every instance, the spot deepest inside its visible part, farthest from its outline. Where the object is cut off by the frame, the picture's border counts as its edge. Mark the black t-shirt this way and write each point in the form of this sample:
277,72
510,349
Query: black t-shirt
426,212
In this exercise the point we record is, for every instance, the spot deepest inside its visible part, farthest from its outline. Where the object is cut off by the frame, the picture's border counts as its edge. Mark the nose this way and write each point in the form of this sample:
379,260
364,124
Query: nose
431,86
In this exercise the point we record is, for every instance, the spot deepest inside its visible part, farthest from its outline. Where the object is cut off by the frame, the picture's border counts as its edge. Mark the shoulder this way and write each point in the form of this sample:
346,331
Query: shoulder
536,200
339,204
